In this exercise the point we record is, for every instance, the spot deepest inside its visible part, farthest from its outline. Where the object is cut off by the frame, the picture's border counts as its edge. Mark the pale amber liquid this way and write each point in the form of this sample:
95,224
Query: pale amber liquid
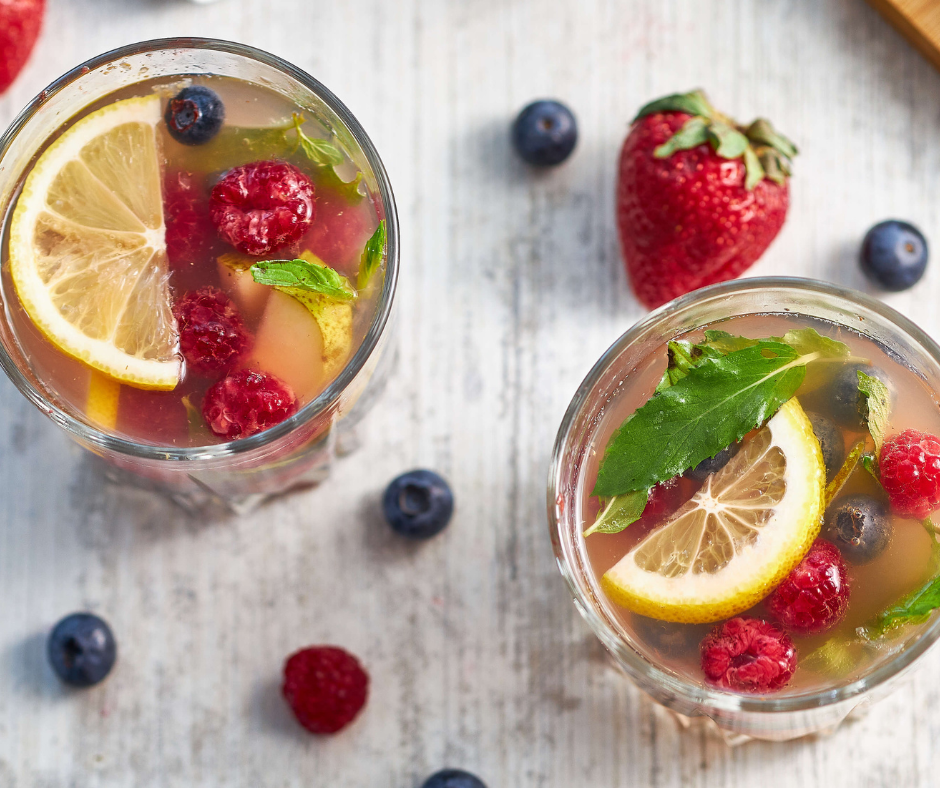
902,568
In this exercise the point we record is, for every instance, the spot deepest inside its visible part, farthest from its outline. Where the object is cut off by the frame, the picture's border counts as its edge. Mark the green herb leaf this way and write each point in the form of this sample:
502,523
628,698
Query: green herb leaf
839,480
729,143
348,190
692,134
304,275
713,406
372,256
683,356
876,396
833,658
870,464
621,511
320,151
693,103
912,609
753,167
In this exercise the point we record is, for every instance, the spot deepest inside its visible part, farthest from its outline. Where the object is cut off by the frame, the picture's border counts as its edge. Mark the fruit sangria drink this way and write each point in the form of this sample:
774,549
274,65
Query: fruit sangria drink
199,258
742,497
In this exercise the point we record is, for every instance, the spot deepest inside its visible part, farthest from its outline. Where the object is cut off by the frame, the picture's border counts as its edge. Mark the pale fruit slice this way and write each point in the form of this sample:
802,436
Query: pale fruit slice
87,250
289,346
237,281
738,537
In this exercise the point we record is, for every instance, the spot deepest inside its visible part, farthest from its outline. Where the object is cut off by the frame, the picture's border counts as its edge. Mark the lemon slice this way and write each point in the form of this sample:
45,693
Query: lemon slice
87,249
738,537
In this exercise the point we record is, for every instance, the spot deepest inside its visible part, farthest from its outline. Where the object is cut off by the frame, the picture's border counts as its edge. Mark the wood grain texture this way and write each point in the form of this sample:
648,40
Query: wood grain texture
918,20
511,288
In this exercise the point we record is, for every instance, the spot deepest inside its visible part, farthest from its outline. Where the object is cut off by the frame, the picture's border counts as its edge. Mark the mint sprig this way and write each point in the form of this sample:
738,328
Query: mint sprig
878,406
303,275
319,151
372,256
711,395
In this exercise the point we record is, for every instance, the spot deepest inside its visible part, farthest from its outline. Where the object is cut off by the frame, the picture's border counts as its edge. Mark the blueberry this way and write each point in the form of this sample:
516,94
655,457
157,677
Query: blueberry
453,778
194,115
894,255
545,133
848,406
418,504
830,441
859,526
81,649
710,465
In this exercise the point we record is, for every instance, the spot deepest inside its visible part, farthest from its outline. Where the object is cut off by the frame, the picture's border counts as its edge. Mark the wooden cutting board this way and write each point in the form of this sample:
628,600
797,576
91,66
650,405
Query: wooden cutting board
918,20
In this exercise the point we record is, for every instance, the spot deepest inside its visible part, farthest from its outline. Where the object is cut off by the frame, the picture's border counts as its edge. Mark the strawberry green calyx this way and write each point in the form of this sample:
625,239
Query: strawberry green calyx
766,153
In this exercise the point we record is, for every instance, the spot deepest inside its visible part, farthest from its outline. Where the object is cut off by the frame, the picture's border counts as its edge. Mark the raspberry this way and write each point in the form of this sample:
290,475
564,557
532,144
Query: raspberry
910,473
247,402
748,655
326,688
212,334
186,214
260,206
815,595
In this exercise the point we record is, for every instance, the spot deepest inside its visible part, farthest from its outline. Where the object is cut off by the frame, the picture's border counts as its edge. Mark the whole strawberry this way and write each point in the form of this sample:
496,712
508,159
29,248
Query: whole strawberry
699,198
20,21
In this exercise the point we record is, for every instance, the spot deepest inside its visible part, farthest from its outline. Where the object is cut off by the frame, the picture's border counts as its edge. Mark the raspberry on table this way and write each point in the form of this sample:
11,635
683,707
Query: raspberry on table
910,473
748,655
212,334
815,595
263,205
247,402
326,688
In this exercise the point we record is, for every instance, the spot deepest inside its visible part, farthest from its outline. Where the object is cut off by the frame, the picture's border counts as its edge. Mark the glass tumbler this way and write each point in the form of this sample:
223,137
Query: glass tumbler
738,716
297,452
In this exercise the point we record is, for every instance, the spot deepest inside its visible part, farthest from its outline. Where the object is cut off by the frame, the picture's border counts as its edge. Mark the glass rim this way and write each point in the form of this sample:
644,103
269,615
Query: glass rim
644,670
329,396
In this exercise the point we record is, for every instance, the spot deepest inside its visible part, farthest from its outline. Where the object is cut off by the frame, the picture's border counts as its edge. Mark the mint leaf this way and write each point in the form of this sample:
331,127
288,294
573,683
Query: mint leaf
372,256
912,609
832,658
876,396
348,190
713,406
683,356
621,511
692,134
320,151
304,275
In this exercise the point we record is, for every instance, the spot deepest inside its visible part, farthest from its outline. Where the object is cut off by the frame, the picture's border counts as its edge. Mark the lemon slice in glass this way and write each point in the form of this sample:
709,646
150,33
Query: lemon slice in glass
87,250
738,537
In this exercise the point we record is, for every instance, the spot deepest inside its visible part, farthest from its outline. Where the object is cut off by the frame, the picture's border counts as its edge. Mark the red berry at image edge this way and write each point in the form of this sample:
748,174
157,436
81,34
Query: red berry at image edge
263,205
212,334
247,402
910,473
815,595
325,687
748,655
20,22
699,199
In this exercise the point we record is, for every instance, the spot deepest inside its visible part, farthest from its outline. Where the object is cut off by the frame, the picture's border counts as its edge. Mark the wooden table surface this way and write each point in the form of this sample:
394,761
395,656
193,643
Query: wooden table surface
511,287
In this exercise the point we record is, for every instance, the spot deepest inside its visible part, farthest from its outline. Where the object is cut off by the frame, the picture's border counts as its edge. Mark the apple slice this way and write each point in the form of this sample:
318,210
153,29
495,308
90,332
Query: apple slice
238,283
289,345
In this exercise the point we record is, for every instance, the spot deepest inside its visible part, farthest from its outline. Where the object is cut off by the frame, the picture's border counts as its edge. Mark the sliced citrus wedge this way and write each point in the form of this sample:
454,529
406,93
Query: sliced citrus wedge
738,537
87,250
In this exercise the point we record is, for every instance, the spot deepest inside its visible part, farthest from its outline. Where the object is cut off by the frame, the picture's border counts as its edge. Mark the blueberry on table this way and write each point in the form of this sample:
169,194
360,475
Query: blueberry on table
848,405
194,115
859,526
453,778
830,441
894,255
82,649
418,504
711,465
544,133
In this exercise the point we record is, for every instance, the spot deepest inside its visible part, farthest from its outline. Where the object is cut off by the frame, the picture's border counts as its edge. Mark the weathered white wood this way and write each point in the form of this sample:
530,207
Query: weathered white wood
511,288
